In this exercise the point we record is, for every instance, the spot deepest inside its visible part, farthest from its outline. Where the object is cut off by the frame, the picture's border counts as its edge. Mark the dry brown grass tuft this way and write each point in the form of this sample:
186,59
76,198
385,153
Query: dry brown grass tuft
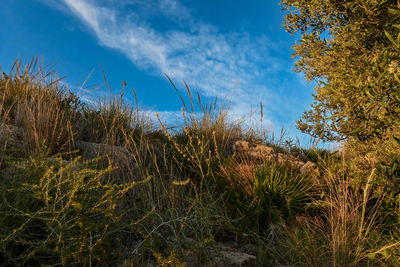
36,100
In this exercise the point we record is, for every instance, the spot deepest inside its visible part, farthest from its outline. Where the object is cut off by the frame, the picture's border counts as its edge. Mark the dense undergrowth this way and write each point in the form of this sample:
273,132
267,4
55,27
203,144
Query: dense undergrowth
102,184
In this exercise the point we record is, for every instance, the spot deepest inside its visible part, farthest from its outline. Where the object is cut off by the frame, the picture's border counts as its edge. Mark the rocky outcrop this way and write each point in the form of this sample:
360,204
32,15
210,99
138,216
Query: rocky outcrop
122,159
309,167
265,153
93,150
222,254
258,152
237,259
10,136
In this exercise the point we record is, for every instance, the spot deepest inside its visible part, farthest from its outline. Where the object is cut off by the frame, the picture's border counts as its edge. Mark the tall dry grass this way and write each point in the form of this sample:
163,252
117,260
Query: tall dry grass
34,99
345,224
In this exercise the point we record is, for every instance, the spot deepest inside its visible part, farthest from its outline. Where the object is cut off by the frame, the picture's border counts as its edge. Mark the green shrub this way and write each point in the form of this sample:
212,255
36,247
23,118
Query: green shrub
53,212
266,194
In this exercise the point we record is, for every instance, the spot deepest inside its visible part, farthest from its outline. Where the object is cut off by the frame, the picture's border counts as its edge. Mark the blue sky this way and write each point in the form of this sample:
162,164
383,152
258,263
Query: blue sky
211,44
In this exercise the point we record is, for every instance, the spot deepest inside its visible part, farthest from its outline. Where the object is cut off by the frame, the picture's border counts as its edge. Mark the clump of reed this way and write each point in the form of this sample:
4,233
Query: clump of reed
344,225
33,98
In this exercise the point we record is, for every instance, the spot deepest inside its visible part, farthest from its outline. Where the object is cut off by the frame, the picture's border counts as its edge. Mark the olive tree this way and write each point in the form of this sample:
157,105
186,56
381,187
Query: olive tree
350,48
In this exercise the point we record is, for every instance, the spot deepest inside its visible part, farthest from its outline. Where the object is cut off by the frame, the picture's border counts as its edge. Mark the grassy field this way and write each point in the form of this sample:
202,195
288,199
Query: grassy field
102,184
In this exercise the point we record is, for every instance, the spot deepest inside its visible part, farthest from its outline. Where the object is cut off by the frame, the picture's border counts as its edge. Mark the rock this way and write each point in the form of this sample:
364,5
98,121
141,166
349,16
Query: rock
264,149
237,259
122,159
221,254
233,254
261,153
258,152
309,168
241,146
10,135
93,150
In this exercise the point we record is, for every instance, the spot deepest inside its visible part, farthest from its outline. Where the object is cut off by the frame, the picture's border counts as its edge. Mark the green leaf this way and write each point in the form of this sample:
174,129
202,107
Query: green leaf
398,40
397,139
385,253
394,11
376,182
390,38
397,78
371,256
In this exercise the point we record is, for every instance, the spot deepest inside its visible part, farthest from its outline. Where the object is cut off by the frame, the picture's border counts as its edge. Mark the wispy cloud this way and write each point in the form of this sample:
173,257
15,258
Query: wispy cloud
209,60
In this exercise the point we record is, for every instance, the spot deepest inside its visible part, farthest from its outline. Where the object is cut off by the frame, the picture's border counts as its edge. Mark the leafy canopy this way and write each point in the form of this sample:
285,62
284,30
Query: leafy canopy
351,49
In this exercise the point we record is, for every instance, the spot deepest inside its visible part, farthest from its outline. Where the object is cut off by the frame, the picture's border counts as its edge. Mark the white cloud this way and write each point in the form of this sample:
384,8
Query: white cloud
209,60
93,16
